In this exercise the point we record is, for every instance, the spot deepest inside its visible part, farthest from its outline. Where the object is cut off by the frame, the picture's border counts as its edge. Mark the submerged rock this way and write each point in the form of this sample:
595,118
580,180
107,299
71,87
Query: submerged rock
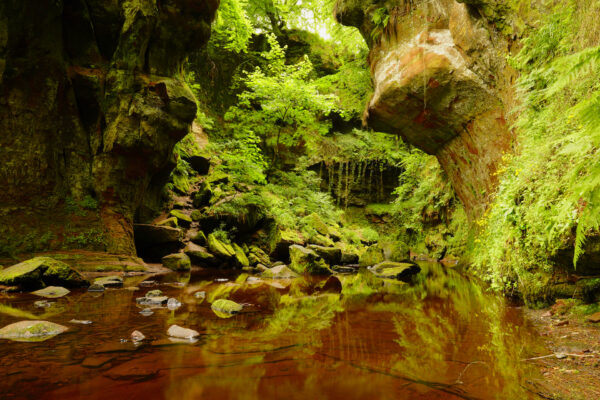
31,331
96,288
43,304
137,336
280,272
307,261
52,292
224,308
182,333
393,270
177,262
152,301
146,312
39,272
173,304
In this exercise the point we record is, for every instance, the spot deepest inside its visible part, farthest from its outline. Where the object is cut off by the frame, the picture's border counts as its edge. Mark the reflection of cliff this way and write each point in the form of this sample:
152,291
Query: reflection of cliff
440,81
90,110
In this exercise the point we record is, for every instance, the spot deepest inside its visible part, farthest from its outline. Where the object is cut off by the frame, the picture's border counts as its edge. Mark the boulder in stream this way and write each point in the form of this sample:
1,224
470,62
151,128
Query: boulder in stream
31,331
177,262
109,281
178,332
39,272
52,292
224,308
307,261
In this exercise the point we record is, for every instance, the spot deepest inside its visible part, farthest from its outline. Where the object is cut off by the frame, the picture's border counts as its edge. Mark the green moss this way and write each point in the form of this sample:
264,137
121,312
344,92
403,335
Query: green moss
180,216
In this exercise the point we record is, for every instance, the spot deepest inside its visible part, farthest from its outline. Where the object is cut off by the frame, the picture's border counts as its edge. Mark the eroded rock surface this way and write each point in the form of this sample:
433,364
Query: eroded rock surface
441,81
90,110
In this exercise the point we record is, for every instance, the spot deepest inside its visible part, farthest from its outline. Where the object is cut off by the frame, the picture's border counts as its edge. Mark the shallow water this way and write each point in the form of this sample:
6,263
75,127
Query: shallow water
442,338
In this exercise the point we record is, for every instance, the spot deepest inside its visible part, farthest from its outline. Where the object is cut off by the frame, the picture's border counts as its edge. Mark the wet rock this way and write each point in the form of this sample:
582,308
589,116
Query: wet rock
280,241
152,301
200,255
39,272
154,293
172,222
280,272
200,164
220,249
146,312
148,283
331,255
349,258
96,362
52,292
320,240
257,256
261,268
182,218
393,270
177,262
137,336
96,288
113,281
173,304
81,321
307,261
43,304
346,269
224,308
176,331
31,331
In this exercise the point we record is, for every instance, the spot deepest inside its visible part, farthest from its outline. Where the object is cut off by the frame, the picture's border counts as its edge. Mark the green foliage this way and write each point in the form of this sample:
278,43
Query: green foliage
242,158
549,194
232,29
380,18
80,207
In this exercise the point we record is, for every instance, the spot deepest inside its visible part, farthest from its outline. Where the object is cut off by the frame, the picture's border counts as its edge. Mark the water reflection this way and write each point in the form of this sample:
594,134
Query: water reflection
442,337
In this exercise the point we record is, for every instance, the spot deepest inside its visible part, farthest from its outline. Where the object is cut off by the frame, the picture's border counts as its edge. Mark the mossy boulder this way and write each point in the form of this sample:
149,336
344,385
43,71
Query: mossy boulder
203,195
182,218
240,256
109,281
280,241
349,257
321,240
307,261
199,238
332,255
157,241
39,272
316,222
371,256
52,292
224,308
393,270
177,262
257,256
219,248
279,272
172,222
200,255
31,331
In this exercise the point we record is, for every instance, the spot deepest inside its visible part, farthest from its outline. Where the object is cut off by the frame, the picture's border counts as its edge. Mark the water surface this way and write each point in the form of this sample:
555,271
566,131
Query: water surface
444,337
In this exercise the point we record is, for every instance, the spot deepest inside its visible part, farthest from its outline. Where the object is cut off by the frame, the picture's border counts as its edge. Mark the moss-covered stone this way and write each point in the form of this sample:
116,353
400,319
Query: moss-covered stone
109,281
371,256
172,222
393,270
52,292
199,238
182,218
257,256
220,249
280,241
41,271
307,261
224,308
331,255
202,197
240,256
31,331
177,262
200,255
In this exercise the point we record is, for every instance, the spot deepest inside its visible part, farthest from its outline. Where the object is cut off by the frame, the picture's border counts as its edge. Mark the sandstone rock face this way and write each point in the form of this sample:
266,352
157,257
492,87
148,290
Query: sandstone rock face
441,83
89,114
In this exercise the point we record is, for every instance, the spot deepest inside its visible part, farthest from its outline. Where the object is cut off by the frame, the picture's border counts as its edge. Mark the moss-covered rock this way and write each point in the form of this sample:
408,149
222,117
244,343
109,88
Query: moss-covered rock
307,261
172,222
280,241
331,255
109,281
371,256
52,292
203,195
224,308
257,256
199,238
240,256
182,218
41,271
279,272
177,262
31,331
220,249
157,241
393,270
200,255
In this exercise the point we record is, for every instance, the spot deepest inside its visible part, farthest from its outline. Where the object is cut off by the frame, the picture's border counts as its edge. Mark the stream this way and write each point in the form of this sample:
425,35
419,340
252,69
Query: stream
442,337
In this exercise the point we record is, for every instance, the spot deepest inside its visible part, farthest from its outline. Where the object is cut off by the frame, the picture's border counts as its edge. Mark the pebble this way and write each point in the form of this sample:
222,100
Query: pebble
137,336
182,333
81,321
146,312
173,304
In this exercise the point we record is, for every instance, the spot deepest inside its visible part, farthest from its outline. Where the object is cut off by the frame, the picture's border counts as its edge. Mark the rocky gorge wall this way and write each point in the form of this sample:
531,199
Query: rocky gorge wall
442,83
92,102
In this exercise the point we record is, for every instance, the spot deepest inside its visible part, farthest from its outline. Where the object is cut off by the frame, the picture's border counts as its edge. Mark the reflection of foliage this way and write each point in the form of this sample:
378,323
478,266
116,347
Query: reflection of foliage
304,314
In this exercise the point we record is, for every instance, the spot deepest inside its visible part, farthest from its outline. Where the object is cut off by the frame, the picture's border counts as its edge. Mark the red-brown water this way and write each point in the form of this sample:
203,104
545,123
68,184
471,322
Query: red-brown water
442,338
